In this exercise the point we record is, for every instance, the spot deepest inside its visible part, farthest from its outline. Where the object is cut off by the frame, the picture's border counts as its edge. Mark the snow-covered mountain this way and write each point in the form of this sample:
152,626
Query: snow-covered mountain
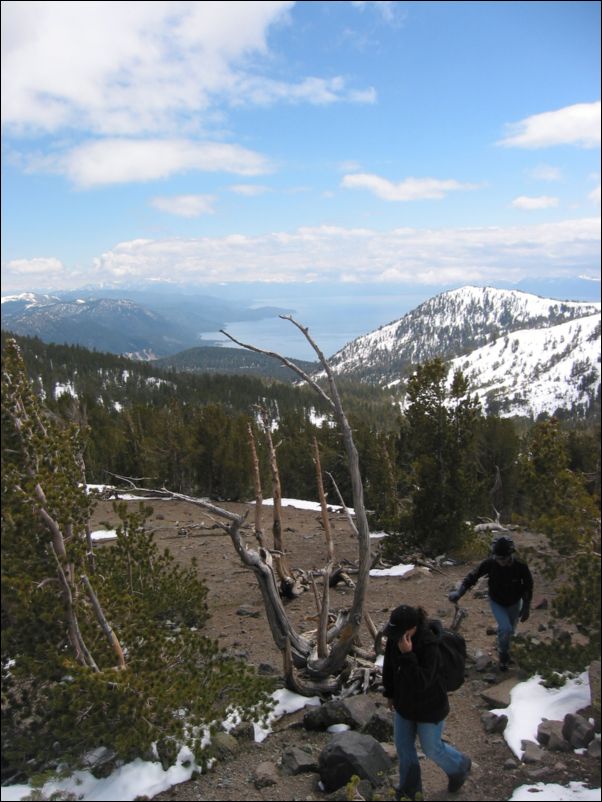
118,326
522,353
538,370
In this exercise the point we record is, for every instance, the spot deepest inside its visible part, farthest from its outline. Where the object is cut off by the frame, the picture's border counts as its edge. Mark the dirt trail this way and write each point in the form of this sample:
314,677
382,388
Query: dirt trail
495,771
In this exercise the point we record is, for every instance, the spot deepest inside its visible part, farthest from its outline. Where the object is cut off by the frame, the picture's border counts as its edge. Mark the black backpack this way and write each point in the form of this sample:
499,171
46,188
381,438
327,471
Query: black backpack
452,649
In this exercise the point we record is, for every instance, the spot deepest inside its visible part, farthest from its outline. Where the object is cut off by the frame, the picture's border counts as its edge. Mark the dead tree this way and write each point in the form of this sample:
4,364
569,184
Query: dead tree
320,662
347,631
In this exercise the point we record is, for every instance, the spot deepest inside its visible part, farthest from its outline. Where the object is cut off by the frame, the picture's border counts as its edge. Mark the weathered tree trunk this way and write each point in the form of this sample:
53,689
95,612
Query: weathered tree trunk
323,505
257,486
334,663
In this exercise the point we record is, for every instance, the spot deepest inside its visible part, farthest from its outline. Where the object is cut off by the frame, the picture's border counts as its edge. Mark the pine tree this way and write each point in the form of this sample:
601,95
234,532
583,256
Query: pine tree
442,431
98,648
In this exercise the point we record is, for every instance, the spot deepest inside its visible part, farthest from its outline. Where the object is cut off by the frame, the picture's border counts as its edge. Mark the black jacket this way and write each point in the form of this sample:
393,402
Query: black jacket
413,680
507,583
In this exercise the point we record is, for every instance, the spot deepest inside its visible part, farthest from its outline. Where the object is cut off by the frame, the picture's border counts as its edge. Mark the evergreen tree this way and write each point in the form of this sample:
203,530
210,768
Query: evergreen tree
98,648
442,431
557,502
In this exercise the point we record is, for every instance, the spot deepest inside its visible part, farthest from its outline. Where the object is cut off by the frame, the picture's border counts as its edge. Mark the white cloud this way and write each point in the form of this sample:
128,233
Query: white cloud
38,265
120,69
250,190
545,172
572,125
594,195
388,10
423,256
114,161
530,204
407,190
39,271
185,205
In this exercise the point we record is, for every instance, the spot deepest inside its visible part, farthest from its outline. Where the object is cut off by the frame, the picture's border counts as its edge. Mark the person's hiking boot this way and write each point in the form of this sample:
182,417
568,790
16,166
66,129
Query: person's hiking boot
505,661
412,787
456,781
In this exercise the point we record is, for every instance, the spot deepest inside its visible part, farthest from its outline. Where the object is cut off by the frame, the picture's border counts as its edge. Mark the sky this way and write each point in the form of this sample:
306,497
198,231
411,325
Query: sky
359,143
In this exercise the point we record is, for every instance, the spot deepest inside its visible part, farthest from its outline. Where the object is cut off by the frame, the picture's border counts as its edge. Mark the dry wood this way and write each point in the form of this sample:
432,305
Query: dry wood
323,505
257,486
82,653
104,624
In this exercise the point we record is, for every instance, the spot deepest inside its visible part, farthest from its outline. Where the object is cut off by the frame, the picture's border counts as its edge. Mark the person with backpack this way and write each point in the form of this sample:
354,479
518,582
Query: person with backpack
414,682
510,592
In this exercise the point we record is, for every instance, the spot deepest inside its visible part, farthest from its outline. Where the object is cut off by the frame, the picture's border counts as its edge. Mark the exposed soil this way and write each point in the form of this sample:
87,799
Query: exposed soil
190,532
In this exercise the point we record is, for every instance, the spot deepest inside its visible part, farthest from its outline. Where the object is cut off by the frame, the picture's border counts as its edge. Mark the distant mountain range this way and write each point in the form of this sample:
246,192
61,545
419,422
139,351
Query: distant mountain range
523,354
145,325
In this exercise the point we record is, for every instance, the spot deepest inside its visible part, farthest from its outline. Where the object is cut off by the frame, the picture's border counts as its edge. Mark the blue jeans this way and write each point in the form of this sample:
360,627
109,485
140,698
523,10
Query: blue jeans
507,619
445,756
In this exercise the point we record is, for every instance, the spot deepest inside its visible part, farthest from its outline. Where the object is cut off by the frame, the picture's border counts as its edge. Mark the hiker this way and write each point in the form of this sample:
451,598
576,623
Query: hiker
510,592
415,689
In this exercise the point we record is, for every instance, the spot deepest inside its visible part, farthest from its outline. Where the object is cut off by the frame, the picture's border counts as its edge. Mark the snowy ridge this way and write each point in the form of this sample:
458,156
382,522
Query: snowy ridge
555,362
537,370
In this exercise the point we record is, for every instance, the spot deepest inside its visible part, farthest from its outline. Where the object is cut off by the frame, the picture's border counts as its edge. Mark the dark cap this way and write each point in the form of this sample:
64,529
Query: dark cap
402,618
502,547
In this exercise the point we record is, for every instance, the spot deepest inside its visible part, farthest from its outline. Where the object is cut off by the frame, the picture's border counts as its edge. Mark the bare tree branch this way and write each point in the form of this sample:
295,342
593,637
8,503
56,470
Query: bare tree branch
305,376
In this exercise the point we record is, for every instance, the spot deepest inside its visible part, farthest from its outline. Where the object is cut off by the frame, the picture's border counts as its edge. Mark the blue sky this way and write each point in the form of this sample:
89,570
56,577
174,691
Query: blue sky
424,144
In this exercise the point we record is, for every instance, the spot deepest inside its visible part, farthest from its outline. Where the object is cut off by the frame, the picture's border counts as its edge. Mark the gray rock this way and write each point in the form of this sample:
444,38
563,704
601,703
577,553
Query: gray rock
483,662
298,761
577,731
491,631
391,751
224,745
246,610
540,603
593,750
499,695
265,774
493,723
510,764
355,711
349,753
379,725
533,753
549,734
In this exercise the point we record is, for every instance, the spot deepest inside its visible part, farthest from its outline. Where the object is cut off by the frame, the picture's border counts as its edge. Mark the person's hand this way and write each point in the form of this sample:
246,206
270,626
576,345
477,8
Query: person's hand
525,612
454,596
405,642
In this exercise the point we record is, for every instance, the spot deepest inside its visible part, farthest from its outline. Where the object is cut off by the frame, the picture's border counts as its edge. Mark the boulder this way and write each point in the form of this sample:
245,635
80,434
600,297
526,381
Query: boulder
549,734
577,731
265,774
224,745
493,723
355,711
533,753
499,695
298,761
379,726
349,753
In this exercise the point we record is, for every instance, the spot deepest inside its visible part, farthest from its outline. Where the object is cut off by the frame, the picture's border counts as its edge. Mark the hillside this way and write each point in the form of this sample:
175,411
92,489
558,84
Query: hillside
210,359
471,328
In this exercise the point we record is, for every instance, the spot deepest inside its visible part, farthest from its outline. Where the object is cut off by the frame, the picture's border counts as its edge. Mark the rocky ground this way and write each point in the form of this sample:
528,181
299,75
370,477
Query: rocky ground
239,623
